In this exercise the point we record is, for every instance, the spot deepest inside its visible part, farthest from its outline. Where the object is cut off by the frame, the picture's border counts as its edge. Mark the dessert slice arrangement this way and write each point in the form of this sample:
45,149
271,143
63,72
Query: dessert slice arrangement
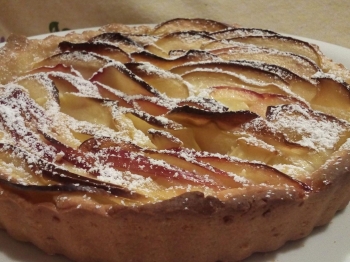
193,140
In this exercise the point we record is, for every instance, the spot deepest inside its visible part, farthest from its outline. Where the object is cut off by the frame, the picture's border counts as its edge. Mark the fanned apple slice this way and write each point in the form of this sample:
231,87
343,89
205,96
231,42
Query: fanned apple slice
203,79
283,43
54,69
117,39
187,40
170,62
241,32
67,83
154,107
117,76
40,88
128,157
77,60
92,110
189,116
241,99
46,176
63,176
109,93
308,128
99,48
256,173
333,97
196,24
144,121
165,82
208,172
206,104
245,144
18,167
164,140
21,117
297,64
238,68
154,50
143,39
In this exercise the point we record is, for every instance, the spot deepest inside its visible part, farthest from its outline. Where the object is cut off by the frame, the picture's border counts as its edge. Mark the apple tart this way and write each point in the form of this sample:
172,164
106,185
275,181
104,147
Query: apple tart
191,140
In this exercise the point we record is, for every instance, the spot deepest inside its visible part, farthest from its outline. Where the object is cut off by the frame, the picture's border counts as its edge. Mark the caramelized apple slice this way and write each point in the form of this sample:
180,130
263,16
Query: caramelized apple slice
40,88
54,69
255,173
168,63
308,128
205,78
14,166
206,104
143,39
241,32
152,49
63,176
127,157
297,64
67,83
332,97
99,48
117,76
214,175
241,99
92,110
238,68
164,140
228,120
117,39
197,24
165,82
283,43
186,40
77,60
152,106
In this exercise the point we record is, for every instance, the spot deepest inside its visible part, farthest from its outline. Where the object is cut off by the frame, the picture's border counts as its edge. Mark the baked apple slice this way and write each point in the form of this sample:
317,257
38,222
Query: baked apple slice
255,173
77,60
119,40
332,97
196,24
206,78
241,99
246,70
171,61
165,82
164,140
117,76
40,88
299,65
102,49
187,40
241,32
92,110
283,43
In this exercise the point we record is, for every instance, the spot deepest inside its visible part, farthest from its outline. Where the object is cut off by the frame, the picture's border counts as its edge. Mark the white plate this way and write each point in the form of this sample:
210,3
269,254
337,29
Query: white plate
325,244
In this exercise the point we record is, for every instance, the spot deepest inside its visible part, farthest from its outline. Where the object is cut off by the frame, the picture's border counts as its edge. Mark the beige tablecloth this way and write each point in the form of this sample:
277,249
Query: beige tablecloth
325,20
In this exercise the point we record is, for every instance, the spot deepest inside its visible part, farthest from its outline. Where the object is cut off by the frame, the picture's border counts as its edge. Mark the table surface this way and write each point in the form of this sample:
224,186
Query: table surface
324,20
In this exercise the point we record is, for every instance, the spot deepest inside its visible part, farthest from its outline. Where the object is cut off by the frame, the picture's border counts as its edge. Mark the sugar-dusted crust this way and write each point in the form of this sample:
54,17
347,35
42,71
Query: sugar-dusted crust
183,221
